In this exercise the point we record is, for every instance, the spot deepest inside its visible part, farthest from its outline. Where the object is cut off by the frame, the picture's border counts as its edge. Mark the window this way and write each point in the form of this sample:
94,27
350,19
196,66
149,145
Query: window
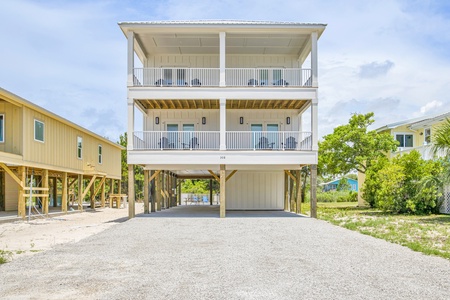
2,128
79,147
38,131
405,140
427,136
100,158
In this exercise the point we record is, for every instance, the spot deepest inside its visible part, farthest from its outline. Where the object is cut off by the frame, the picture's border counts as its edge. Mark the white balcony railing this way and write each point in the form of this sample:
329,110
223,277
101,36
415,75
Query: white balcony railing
268,77
234,77
210,140
426,151
176,140
268,140
176,77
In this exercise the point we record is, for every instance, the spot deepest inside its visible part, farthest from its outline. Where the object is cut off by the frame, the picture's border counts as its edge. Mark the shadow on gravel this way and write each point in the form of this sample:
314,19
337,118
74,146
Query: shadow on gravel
119,220
191,211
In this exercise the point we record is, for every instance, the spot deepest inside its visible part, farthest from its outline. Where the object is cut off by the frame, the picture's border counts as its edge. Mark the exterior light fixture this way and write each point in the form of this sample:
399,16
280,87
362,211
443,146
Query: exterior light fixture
157,120
241,120
203,120
288,120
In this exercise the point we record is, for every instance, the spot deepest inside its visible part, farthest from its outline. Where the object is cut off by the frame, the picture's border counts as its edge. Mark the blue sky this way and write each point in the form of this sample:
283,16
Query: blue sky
389,57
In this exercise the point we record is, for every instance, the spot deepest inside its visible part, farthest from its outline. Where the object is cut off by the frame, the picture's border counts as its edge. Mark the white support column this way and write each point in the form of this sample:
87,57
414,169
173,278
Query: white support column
223,123
223,180
314,125
314,61
222,36
130,64
130,129
131,192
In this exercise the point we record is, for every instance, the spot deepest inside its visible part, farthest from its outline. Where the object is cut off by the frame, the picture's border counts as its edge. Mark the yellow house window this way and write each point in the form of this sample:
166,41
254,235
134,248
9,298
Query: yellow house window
2,128
79,147
39,130
428,135
405,140
100,157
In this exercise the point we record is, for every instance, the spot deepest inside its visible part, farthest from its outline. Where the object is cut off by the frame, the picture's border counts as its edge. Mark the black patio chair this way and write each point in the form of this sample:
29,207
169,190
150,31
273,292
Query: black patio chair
281,82
196,82
264,143
291,143
252,82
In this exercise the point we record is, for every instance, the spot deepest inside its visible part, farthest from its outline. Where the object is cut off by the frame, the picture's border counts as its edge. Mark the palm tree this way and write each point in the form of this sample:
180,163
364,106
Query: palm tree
441,139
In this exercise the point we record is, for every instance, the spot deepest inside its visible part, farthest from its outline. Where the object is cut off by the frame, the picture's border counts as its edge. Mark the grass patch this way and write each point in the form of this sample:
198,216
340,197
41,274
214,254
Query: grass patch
429,234
5,256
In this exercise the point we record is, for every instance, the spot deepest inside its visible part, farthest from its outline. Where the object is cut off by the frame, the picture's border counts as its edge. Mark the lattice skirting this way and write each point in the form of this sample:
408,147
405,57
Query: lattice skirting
445,207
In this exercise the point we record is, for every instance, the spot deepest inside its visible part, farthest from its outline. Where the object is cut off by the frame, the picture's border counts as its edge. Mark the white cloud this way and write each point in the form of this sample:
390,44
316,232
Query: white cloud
433,105
375,69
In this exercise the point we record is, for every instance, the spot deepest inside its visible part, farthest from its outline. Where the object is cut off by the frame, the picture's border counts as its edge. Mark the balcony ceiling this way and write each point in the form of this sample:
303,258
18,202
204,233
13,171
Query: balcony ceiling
214,104
185,44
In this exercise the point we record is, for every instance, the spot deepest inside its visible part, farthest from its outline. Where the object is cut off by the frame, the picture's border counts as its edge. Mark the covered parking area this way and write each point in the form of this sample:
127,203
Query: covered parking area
246,190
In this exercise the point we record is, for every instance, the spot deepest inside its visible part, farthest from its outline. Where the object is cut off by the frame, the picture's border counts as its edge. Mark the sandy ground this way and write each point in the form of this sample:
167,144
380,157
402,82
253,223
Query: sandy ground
24,238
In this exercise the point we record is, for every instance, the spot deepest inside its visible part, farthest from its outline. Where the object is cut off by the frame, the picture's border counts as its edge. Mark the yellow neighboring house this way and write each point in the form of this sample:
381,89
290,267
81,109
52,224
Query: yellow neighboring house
416,134
67,162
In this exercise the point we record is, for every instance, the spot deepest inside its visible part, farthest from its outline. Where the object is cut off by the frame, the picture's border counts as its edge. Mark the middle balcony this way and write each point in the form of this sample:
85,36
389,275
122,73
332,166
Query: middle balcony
210,140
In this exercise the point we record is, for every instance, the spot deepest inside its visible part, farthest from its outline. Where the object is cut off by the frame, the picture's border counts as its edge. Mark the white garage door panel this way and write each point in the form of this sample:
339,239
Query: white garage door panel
255,190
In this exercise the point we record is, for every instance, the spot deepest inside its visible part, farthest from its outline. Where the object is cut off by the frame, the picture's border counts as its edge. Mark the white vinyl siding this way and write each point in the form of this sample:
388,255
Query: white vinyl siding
261,190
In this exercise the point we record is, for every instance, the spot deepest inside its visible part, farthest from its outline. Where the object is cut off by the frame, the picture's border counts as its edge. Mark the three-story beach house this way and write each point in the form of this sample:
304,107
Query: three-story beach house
235,101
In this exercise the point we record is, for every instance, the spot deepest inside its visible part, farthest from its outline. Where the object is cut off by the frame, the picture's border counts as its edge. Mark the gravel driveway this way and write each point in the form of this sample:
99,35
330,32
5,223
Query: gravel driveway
181,254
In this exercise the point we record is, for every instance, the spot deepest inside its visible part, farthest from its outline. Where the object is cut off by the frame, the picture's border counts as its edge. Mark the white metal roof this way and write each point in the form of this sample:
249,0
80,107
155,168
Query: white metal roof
416,122
220,22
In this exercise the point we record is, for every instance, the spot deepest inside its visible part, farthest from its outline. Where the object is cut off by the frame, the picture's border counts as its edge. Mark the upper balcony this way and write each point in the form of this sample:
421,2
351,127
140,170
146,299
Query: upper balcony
222,53
210,77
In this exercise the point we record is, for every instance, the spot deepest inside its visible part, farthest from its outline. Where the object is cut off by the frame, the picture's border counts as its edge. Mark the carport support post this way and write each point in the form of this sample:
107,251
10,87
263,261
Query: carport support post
153,193
223,177
158,191
299,192
131,212
55,192
210,193
102,196
179,190
146,193
21,204
169,191
64,193
45,185
80,192
313,190
286,192
92,195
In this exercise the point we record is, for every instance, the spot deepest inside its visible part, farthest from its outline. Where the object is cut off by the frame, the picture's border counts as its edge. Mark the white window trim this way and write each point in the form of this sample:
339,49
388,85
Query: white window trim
3,126
81,152
43,131
100,155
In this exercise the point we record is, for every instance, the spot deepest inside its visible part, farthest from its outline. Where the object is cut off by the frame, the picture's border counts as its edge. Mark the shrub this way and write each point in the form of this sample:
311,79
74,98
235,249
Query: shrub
396,185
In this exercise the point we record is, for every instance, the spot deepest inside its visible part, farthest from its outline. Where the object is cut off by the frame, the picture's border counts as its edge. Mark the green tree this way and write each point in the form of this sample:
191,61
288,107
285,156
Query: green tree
441,139
353,147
